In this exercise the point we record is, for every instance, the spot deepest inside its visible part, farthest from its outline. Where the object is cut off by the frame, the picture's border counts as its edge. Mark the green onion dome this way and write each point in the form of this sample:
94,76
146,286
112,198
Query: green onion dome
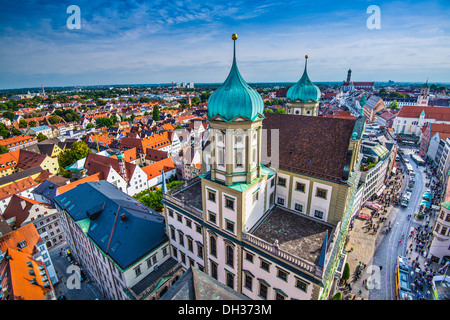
304,90
235,98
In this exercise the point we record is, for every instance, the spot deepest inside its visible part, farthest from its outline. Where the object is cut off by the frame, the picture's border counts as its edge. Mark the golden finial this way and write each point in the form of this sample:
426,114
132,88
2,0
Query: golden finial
234,36
306,57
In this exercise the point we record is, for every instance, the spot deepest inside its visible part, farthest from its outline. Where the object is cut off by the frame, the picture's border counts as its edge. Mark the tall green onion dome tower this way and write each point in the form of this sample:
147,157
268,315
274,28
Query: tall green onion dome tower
303,97
235,100
235,115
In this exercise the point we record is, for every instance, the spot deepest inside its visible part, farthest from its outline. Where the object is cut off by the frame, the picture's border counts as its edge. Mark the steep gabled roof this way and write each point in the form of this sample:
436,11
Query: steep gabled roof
316,146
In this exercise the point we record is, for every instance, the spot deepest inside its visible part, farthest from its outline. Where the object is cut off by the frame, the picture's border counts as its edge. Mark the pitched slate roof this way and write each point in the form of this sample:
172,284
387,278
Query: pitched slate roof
124,240
315,146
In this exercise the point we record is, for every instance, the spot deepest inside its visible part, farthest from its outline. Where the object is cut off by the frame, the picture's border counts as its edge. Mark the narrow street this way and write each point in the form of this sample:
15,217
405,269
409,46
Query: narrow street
378,251
390,247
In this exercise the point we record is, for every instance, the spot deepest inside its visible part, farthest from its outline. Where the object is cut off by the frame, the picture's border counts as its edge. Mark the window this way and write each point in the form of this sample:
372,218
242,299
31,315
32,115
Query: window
280,201
265,265
229,226
281,182
212,217
211,196
230,280
183,257
172,233
179,218
272,182
239,159
190,244
149,263
255,196
302,285
164,251
298,207
282,275
221,158
249,257
300,186
279,296
318,214
199,250
175,252
137,271
229,203
189,223
198,228
214,270
212,246
263,290
181,238
170,213
229,256
321,193
248,282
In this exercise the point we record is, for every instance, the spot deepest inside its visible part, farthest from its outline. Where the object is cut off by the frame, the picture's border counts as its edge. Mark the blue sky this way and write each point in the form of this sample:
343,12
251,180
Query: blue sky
133,42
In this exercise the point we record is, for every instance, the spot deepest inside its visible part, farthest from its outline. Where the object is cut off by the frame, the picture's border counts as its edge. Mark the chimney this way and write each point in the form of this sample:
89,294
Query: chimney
123,217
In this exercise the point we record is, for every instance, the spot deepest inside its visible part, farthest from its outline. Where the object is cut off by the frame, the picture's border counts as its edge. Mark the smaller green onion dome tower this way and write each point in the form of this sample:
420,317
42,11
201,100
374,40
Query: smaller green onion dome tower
303,97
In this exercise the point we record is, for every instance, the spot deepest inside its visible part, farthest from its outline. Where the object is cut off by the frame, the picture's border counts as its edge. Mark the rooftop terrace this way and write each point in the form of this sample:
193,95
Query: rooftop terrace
300,238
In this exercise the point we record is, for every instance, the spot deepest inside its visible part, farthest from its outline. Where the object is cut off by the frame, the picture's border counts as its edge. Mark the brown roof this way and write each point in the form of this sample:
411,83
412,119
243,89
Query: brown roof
30,159
437,113
19,207
97,163
315,146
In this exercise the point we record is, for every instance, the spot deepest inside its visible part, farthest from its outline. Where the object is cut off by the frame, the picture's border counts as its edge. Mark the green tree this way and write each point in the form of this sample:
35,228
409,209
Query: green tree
3,149
268,111
15,132
32,124
41,137
23,124
394,105
346,273
103,122
90,126
54,119
337,296
280,110
4,131
9,115
156,113
153,200
79,150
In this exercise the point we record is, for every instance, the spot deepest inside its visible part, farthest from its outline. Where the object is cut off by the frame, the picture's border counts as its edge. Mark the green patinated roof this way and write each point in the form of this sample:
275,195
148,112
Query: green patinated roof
446,205
235,98
242,186
84,224
304,90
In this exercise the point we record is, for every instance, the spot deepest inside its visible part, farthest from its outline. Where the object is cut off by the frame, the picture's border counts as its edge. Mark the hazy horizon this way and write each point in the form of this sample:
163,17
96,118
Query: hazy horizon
153,42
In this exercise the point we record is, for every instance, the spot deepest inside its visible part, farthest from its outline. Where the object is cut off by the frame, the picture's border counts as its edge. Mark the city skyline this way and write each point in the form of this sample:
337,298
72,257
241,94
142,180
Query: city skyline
143,42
